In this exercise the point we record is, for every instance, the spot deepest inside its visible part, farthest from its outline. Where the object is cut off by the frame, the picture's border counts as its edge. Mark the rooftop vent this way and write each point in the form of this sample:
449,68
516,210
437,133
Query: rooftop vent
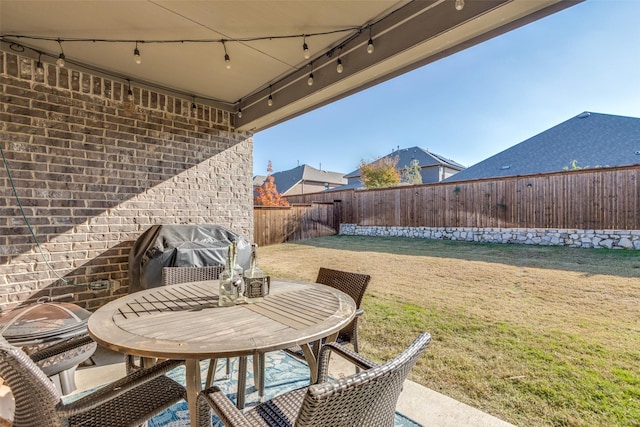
584,115
637,153
506,167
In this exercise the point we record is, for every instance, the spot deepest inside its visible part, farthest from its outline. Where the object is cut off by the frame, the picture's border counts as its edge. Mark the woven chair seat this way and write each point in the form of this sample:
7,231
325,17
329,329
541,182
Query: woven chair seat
281,410
365,399
129,409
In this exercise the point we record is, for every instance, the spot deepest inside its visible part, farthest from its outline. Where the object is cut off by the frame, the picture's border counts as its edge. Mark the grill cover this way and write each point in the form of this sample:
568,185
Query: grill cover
43,322
181,246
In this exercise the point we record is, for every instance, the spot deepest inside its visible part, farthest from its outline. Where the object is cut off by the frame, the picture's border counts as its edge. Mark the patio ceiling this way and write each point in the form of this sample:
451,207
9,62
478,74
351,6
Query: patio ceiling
191,59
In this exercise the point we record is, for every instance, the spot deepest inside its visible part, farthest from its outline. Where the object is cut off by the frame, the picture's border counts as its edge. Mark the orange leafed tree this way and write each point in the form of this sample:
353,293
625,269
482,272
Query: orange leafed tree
267,194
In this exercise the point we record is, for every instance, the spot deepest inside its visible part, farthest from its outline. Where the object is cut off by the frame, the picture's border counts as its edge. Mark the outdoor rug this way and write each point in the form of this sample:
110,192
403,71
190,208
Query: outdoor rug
283,373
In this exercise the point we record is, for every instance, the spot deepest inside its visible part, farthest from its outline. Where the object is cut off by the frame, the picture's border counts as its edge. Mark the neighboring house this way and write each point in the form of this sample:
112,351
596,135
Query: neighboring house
258,180
587,140
303,179
433,167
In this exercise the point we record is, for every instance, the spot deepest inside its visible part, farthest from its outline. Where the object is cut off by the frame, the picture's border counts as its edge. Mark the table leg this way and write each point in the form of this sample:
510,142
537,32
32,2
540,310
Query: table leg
194,385
211,372
331,338
242,382
258,374
147,362
311,353
312,361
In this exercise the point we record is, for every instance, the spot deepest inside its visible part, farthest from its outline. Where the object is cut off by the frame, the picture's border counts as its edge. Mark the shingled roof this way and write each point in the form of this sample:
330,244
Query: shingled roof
407,155
285,180
588,139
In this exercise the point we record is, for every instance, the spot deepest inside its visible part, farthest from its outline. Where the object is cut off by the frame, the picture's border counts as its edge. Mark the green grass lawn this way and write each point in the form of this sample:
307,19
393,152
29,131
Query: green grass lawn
537,336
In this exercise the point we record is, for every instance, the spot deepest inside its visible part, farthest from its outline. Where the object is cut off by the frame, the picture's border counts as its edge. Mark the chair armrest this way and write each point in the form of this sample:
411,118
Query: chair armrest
115,389
349,355
61,347
224,408
359,312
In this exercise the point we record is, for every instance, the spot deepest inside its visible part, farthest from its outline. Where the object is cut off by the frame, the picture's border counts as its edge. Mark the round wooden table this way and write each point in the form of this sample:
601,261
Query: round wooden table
184,322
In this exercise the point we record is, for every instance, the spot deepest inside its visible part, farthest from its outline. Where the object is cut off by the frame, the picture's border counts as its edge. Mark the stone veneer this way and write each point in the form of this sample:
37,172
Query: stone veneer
93,170
610,239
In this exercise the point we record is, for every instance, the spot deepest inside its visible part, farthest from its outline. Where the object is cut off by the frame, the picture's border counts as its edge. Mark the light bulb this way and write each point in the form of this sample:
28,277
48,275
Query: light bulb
310,80
370,47
130,95
194,109
459,4
227,61
339,67
39,68
305,51
240,113
270,101
136,56
60,60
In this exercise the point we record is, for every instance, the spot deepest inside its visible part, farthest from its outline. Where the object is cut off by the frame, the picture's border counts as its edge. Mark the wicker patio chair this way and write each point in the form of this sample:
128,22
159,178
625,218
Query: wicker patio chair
174,275
368,398
129,401
352,284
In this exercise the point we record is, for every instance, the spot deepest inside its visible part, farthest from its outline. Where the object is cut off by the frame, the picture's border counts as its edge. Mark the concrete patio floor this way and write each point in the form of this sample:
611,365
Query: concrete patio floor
419,403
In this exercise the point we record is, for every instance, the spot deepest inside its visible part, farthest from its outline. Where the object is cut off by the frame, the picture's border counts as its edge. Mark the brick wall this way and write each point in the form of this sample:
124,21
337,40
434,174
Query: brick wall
94,170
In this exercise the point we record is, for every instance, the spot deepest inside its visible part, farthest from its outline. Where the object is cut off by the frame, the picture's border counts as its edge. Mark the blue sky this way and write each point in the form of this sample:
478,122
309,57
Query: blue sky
480,101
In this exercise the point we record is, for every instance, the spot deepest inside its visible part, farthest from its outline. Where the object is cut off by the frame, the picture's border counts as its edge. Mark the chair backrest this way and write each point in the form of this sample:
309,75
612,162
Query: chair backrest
352,284
174,275
368,398
34,393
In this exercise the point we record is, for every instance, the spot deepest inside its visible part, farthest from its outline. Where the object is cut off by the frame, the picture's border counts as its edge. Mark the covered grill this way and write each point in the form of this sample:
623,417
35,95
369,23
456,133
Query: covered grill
181,245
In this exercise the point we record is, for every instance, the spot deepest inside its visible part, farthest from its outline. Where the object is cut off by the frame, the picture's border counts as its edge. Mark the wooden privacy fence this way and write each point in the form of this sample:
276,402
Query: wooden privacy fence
273,225
606,198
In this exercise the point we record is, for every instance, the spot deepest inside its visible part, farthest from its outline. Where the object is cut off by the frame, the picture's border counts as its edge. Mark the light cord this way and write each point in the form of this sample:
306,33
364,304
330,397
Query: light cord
26,220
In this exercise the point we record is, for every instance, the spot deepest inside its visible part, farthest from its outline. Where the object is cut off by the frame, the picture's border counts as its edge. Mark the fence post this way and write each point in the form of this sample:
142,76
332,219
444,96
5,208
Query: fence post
337,214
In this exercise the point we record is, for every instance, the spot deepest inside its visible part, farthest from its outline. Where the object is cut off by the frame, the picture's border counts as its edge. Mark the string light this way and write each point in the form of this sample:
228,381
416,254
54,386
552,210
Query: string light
239,114
129,92
61,57
227,58
305,48
310,79
459,4
194,109
270,100
370,47
136,55
339,67
39,66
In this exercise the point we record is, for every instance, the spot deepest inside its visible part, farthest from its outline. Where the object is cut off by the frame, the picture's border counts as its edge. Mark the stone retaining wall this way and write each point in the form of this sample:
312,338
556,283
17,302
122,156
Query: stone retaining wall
610,239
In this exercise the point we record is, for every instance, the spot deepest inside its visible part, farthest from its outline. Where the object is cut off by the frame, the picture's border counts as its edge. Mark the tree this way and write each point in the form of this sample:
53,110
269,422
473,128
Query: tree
267,193
380,174
411,174
574,166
